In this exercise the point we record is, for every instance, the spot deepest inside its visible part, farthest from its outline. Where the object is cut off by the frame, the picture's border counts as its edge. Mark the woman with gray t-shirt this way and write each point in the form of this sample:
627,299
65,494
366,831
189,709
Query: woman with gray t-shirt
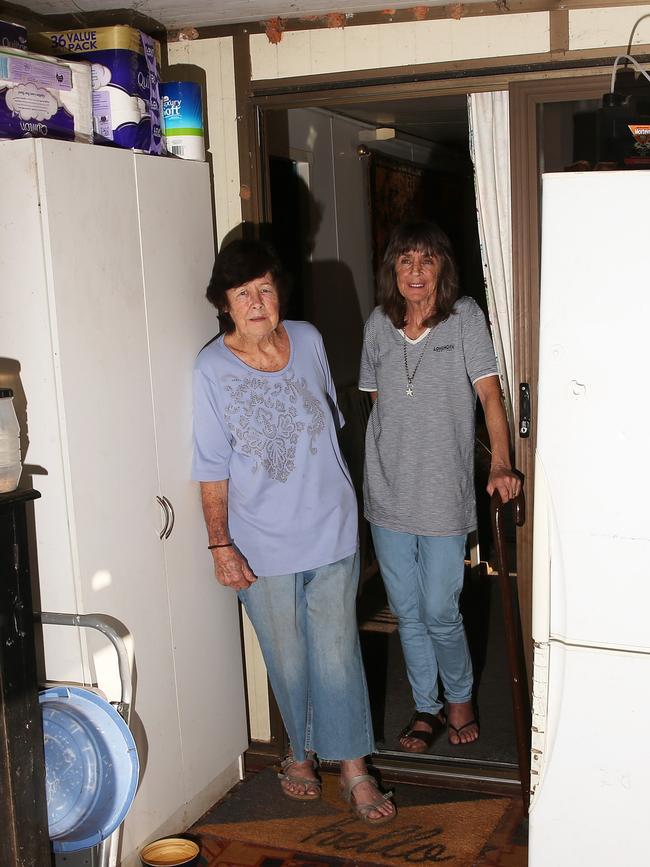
426,355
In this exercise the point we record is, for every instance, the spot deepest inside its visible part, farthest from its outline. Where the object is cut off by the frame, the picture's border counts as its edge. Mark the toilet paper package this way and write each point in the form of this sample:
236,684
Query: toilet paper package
13,35
42,96
125,74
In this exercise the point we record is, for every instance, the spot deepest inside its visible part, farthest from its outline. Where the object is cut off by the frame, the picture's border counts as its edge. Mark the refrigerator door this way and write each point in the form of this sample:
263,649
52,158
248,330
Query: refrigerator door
591,805
593,409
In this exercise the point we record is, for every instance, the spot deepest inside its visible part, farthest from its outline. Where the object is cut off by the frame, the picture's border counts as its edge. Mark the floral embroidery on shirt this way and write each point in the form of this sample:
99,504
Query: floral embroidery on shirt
266,420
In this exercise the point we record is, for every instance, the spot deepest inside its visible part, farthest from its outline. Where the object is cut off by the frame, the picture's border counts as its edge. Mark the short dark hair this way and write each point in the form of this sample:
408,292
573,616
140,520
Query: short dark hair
425,237
239,262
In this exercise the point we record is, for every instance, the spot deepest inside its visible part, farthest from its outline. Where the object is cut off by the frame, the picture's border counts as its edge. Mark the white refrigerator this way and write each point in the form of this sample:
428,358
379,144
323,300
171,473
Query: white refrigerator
590,802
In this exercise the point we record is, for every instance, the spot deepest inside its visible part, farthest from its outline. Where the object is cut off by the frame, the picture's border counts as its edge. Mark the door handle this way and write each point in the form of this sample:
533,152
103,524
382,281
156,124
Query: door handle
162,502
172,517
524,409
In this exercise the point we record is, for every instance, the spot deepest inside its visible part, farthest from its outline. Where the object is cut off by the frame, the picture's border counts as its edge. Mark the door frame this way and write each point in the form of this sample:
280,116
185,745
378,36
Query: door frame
527,91
525,100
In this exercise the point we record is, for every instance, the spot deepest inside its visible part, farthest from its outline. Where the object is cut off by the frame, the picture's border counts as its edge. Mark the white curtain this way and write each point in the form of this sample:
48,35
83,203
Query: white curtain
489,137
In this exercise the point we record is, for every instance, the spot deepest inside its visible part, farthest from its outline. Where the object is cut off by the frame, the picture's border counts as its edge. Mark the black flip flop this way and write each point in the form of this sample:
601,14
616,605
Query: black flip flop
458,730
437,723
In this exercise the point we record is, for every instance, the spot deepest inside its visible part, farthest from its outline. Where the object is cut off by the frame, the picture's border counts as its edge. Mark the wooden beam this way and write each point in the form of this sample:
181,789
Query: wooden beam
493,73
525,99
559,32
413,13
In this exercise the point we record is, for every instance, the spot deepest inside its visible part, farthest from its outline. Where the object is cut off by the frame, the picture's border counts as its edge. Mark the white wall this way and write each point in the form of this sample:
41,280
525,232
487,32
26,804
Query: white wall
607,28
373,46
215,56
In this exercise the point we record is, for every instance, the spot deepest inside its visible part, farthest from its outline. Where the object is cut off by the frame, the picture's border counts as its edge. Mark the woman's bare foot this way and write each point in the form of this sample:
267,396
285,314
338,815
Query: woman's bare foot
298,780
366,793
463,728
414,744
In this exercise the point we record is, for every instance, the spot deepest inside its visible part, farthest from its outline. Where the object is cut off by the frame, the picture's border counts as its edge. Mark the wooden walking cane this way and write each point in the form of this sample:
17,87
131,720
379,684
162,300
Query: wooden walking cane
514,647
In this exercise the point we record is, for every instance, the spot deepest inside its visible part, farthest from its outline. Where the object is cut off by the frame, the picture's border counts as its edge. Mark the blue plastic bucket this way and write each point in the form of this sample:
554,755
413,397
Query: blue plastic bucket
91,767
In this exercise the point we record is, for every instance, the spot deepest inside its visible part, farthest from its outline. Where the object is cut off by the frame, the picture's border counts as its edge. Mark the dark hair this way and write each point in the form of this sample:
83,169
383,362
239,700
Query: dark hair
428,238
237,263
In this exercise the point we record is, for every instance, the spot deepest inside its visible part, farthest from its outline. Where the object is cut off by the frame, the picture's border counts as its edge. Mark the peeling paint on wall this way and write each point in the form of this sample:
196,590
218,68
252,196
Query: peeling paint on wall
274,28
336,19
187,34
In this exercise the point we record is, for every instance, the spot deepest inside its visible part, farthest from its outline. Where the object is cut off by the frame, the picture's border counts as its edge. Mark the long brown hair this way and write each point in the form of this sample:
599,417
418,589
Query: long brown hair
428,238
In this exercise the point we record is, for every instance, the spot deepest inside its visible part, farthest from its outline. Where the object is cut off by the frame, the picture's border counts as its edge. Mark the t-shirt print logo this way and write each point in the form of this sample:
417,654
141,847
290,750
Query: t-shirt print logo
267,419
448,347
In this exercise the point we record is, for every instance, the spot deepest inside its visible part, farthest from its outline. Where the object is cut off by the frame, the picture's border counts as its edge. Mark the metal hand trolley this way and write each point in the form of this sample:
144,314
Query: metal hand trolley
104,849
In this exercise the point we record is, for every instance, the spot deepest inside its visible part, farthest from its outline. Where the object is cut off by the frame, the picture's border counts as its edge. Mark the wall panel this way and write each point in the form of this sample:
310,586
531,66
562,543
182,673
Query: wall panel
604,28
372,46
215,56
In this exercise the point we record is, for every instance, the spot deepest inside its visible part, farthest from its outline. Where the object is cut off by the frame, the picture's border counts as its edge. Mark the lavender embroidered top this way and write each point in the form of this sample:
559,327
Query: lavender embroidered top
291,504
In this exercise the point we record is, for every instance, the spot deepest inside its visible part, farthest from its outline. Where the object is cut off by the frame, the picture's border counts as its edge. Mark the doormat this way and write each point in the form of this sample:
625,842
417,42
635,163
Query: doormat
433,826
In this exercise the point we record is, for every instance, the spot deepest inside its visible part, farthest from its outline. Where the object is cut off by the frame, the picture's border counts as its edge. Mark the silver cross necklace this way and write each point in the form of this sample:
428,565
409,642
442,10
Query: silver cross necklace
411,376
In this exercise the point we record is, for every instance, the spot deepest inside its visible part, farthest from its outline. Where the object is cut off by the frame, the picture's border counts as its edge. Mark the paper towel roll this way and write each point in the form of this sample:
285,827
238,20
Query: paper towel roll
181,104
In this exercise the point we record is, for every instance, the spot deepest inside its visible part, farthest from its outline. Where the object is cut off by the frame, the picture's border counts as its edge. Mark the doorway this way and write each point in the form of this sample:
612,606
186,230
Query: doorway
526,97
362,181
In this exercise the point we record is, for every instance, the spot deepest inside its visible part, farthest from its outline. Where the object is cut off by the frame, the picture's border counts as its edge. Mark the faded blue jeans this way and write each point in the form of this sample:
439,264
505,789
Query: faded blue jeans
423,576
307,628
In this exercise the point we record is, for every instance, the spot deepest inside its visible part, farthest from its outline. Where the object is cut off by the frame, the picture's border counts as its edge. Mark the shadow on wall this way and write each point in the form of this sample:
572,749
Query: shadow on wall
442,191
197,75
337,315
323,291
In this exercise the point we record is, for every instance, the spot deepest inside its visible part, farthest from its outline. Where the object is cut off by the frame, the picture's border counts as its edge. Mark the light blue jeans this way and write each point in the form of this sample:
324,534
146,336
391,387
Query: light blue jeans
423,576
307,628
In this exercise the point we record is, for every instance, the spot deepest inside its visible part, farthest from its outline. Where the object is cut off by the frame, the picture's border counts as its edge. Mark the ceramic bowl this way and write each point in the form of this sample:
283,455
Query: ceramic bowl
170,852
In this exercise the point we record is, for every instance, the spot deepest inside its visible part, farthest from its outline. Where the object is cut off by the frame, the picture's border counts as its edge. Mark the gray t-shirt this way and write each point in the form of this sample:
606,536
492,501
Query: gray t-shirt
419,468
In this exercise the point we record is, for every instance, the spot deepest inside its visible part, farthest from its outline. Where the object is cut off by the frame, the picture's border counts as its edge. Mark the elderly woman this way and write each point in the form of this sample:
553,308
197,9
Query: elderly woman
426,355
281,516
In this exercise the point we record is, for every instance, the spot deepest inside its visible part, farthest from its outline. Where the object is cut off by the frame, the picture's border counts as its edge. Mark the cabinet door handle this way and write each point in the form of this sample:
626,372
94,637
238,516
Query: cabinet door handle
172,517
162,502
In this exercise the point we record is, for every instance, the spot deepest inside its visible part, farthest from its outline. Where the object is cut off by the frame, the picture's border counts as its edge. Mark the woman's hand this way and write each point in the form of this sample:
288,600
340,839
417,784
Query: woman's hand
505,481
502,478
231,569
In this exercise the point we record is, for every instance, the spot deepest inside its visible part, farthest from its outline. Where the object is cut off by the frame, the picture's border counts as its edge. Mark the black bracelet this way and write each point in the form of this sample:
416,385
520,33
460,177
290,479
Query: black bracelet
223,545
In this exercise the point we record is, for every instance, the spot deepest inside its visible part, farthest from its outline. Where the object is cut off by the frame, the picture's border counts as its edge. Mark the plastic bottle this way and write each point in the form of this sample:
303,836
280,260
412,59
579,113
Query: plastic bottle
10,466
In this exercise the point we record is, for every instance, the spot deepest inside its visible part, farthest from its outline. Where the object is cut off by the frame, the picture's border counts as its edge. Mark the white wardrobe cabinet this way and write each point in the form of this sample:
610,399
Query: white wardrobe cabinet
104,259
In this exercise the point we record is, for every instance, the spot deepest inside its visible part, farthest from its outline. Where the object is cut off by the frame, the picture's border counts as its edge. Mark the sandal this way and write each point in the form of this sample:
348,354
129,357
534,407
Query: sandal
437,723
362,811
311,788
458,730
